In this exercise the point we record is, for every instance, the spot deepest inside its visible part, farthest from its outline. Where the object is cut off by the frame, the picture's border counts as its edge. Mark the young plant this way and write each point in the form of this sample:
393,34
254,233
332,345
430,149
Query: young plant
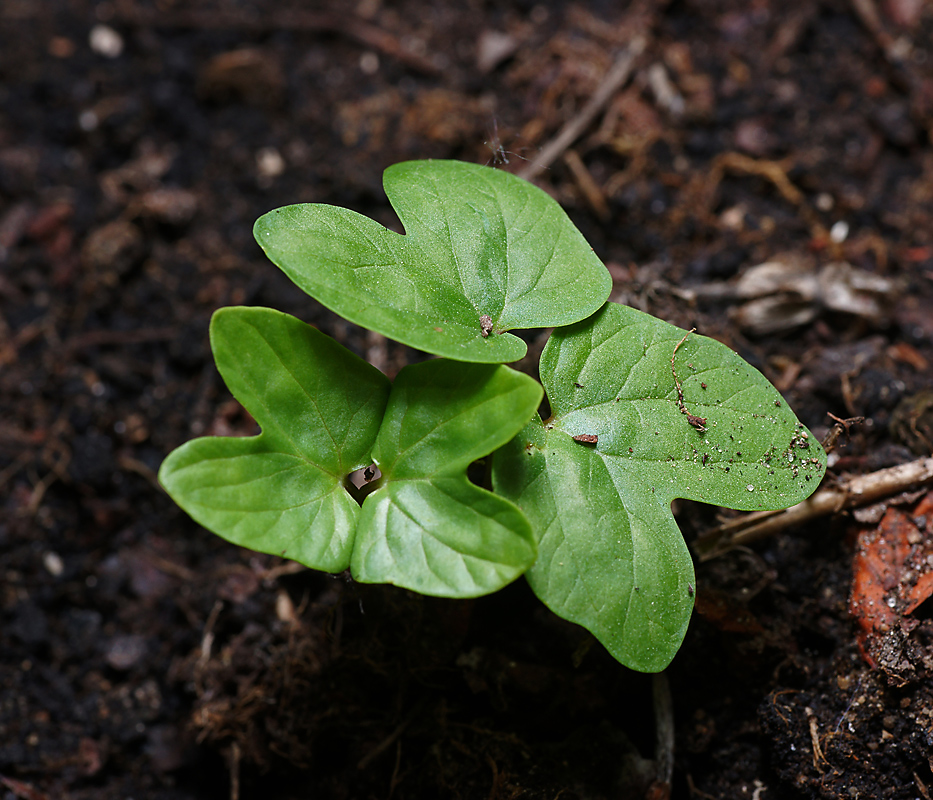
325,413
641,413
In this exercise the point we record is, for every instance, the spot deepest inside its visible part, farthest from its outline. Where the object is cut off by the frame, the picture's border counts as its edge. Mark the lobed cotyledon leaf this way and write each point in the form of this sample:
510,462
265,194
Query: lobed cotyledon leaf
319,407
484,252
427,527
325,413
657,414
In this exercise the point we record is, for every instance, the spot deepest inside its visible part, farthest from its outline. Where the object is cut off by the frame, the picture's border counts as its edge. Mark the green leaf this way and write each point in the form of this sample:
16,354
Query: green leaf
484,253
319,407
427,527
610,555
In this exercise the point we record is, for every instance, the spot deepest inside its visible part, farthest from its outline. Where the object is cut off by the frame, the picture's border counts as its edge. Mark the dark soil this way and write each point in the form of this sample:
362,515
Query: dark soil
141,656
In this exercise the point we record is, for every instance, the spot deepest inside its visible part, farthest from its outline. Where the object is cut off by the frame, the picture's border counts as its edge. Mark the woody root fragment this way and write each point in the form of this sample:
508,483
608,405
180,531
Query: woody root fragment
845,494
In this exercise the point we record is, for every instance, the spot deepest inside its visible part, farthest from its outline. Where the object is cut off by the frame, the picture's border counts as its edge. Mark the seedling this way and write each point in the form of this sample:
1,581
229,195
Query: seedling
641,413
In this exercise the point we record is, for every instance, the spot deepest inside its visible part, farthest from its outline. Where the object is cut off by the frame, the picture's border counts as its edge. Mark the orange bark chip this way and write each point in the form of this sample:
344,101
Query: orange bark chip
892,571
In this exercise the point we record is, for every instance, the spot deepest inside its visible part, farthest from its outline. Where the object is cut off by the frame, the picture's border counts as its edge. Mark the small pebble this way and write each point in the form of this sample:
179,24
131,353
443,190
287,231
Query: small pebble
88,121
369,63
53,563
492,48
105,41
270,163
171,205
125,651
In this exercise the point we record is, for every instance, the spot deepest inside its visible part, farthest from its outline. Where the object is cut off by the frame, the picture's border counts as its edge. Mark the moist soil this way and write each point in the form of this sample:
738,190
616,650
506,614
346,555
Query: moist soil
143,657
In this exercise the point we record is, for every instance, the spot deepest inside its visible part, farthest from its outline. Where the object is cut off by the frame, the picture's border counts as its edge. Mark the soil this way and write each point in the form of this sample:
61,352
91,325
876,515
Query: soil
142,657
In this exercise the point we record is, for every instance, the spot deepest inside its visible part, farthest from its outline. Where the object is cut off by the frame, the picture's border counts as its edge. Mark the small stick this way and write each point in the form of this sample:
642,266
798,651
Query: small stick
860,490
698,422
615,79
207,637
591,192
851,703
841,426
868,15
815,740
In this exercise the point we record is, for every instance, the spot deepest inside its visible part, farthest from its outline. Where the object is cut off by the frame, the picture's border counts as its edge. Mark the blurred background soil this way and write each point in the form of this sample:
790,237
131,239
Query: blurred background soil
763,173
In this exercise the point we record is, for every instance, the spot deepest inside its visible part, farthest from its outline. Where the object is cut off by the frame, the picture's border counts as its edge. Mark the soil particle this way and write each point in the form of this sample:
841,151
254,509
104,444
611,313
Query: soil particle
124,652
113,249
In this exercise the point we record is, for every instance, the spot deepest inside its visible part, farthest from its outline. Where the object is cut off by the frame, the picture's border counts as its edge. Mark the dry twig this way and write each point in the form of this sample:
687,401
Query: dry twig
840,427
813,724
857,491
868,15
615,79
591,192
701,197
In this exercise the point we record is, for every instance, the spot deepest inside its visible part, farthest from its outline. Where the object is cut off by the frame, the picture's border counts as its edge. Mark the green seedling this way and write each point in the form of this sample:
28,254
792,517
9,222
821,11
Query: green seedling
641,413
324,414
